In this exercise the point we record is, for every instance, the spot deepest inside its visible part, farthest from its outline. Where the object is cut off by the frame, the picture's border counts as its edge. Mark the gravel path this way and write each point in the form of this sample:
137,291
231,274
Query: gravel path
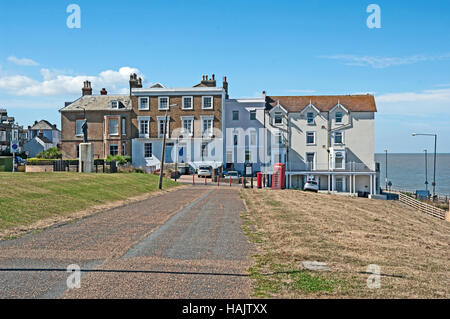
186,243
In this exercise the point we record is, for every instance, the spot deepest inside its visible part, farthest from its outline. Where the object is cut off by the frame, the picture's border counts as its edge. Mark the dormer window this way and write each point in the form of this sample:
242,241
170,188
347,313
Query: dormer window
310,118
114,104
338,117
278,118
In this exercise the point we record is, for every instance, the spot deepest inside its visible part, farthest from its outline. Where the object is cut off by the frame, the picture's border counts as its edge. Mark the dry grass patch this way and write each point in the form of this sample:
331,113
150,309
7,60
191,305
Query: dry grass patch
348,234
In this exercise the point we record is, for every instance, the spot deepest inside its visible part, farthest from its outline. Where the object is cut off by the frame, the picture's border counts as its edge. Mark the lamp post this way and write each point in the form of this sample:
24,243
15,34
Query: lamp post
426,169
386,177
434,168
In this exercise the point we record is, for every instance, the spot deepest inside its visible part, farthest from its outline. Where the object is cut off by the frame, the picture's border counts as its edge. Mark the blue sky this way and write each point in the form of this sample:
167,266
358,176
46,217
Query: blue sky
283,47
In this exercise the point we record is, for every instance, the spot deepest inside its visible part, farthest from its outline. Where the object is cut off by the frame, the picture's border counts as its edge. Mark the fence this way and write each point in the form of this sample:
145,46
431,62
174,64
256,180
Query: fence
422,207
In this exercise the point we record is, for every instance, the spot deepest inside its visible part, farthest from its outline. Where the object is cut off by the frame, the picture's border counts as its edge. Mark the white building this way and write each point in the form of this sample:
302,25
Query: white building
326,138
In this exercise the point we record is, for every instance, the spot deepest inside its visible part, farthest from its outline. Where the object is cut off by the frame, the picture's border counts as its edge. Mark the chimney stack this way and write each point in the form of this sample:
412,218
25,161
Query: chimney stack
208,82
87,89
103,92
135,82
225,86
264,95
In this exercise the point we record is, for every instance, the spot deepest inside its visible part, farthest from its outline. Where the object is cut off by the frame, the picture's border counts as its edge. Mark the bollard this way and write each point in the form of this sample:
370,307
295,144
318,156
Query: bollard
193,179
230,181
205,181
218,181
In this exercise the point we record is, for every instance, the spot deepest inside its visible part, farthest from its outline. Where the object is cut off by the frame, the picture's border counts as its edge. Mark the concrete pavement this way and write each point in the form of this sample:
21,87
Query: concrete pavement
186,243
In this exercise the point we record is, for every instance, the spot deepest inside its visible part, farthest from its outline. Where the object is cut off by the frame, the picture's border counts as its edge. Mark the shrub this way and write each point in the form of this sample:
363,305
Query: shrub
121,160
51,153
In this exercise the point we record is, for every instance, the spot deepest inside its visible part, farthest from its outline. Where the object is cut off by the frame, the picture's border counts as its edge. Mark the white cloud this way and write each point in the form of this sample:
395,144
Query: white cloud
22,61
384,62
56,83
422,104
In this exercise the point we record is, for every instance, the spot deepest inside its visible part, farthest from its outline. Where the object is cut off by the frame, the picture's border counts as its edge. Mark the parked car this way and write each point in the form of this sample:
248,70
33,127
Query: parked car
204,171
233,174
311,185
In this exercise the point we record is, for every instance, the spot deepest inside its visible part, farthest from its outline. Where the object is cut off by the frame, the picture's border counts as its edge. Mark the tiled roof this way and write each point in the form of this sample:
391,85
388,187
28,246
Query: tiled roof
99,103
353,103
43,125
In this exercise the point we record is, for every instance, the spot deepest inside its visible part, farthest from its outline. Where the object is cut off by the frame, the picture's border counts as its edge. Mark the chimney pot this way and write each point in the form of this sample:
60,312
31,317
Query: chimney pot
103,92
213,77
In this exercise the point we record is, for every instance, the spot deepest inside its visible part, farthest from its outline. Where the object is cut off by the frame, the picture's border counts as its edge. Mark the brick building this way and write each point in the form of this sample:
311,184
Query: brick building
108,118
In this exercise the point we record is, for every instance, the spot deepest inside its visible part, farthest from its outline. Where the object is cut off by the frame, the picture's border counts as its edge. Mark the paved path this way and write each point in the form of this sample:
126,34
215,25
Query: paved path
186,243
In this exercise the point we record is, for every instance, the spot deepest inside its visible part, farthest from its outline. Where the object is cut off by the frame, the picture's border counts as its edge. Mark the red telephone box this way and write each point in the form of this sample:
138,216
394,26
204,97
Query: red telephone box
278,177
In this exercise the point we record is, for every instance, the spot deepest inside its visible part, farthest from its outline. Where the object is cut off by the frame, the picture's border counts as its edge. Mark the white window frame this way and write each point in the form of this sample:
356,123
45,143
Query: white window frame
275,116
109,149
159,102
313,162
112,103
187,118
109,126
183,105
147,119
336,152
250,116
151,145
203,102
162,119
207,118
140,103
342,117
232,115
342,138
314,134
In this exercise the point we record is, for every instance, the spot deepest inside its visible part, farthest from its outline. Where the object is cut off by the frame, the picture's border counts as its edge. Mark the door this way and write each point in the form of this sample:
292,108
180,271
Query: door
340,184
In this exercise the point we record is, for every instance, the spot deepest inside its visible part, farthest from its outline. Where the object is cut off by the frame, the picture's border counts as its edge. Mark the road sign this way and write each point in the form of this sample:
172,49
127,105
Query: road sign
14,147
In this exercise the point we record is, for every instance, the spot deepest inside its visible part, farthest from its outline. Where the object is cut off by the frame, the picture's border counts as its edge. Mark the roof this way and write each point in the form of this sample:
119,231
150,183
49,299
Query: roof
324,103
44,139
43,125
99,103
176,91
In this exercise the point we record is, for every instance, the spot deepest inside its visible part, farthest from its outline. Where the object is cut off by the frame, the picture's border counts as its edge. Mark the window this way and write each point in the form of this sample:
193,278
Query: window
253,115
113,125
310,159
235,115
113,149
207,126
187,103
229,157
77,150
143,103
124,126
235,139
310,117
124,149
148,150
338,138
278,118
79,127
252,138
248,156
144,126
204,150
338,117
310,138
339,160
278,138
207,102
161,124
163,103
114,104
187,123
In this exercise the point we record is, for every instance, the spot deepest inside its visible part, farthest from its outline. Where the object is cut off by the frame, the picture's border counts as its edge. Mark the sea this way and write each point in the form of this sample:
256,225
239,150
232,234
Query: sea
407,171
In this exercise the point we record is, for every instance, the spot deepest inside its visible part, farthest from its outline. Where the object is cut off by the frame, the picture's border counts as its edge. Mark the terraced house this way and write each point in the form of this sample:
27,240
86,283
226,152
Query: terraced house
326,138
194,124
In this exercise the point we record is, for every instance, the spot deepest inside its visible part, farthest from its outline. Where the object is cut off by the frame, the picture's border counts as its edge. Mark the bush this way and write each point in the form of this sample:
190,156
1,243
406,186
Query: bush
51,153
121,160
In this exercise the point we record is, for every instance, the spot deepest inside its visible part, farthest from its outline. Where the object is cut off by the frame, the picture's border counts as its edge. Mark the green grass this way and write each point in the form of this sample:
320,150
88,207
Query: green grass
28,197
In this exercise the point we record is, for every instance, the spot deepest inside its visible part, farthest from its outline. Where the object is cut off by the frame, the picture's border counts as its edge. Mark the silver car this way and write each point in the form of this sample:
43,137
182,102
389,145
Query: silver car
204,171
312,186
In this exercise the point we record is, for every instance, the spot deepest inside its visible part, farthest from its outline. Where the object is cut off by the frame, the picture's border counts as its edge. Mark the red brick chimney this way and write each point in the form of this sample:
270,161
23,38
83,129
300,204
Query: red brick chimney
87,89
103,92
135,82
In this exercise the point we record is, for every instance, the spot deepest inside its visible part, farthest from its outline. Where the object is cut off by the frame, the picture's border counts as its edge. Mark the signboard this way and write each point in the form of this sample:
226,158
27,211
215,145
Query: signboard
14,147
248,170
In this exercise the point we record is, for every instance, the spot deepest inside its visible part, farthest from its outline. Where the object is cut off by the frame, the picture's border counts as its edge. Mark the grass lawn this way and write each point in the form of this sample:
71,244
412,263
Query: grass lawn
26,198
288,227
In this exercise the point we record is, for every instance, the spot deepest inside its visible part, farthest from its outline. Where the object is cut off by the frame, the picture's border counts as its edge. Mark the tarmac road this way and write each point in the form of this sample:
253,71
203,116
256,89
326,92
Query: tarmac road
186,243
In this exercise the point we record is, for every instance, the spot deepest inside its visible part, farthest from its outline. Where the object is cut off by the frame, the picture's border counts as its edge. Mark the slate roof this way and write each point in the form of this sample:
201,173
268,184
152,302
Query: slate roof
324,103
43,125
99,103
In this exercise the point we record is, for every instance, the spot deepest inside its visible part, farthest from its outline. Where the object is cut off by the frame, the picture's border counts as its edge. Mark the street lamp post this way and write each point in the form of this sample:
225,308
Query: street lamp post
434,168
426,169
386,177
